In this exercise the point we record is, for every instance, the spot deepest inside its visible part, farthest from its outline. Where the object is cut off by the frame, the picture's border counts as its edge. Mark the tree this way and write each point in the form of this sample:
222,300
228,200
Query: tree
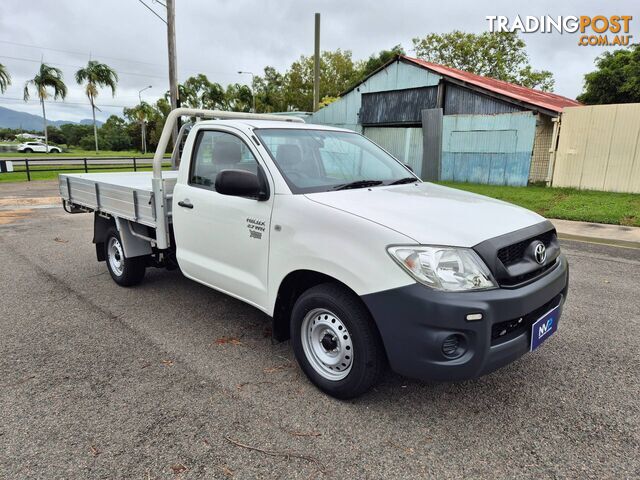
73,132
114,132
499,55
141,114
270,91
96,74
5,78
338,72
375,61
199,92
617,79
47,77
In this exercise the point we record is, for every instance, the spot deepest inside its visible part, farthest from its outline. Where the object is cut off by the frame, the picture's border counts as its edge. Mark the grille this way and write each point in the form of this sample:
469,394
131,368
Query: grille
503,331
514,253
512,281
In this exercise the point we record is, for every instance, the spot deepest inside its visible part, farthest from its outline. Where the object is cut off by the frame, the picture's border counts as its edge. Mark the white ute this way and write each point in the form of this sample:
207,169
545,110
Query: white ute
358,262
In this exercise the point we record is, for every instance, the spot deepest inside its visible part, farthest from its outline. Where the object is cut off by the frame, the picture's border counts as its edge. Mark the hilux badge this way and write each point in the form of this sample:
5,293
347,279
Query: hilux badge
540,253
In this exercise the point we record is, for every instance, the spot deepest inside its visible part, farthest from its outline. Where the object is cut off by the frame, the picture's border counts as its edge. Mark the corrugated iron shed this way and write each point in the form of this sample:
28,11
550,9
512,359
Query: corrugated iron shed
549,102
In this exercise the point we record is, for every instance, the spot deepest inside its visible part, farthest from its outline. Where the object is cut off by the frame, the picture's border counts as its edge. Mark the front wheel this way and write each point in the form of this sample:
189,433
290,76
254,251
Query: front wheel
54,150
336,342
124,271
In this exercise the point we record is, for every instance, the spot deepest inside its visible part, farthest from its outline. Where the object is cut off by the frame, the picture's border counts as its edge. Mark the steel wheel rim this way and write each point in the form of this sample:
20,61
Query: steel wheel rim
116,256
327,344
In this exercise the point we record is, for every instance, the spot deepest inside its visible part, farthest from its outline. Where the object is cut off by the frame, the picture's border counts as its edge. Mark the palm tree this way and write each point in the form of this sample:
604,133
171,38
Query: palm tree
5,78
47,77
96,74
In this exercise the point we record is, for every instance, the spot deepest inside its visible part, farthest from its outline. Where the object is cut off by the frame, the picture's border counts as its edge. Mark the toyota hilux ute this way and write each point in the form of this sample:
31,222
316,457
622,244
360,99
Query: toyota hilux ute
358,262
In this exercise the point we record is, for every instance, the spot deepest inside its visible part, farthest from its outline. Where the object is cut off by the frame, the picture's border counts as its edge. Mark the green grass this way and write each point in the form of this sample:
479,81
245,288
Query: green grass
566,203
77,152
19,175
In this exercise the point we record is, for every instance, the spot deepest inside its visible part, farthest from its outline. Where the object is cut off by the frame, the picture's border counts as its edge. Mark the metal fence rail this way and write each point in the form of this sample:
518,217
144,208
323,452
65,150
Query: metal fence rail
83,164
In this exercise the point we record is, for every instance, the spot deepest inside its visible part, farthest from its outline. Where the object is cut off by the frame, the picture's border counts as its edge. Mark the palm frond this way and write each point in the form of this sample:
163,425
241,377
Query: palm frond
97,74
5,78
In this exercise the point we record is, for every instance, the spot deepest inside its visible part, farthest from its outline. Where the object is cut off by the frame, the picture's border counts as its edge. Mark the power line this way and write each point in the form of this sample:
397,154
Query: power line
189,68
153,11
65,103
83,54
79,66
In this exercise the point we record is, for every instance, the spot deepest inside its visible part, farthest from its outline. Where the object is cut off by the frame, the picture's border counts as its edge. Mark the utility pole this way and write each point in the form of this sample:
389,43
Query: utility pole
173,69
253,87
143,122
316,65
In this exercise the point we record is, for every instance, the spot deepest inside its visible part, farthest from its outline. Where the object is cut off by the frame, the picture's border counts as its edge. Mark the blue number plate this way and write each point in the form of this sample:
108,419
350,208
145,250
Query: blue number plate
544,327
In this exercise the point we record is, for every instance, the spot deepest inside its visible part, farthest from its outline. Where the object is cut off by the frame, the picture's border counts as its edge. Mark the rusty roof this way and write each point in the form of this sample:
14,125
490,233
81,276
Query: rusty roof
545,100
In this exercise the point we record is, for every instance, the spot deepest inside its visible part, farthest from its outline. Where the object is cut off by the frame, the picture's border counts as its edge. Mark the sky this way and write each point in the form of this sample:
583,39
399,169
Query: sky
221,37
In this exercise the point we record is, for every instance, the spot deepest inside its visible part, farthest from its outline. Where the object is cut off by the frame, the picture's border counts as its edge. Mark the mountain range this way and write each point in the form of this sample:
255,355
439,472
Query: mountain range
27,121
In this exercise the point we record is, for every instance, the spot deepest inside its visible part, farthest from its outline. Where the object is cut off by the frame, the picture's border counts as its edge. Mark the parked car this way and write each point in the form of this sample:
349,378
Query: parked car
359,262
37,147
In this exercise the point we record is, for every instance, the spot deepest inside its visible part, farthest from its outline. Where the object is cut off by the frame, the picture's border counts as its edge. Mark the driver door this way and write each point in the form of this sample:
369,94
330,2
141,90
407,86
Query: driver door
222,241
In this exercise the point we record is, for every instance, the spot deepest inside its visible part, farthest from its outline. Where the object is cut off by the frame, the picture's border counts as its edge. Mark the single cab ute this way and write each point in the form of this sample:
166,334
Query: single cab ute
359,262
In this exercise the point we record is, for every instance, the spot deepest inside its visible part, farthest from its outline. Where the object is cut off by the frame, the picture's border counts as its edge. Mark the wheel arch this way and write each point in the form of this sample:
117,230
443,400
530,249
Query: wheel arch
291,287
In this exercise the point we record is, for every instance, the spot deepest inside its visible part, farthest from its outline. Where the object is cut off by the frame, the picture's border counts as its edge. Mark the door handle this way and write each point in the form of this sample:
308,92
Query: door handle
185,204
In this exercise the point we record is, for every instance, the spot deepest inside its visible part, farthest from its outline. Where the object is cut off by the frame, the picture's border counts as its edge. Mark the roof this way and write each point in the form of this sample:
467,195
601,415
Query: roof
535,98
546,100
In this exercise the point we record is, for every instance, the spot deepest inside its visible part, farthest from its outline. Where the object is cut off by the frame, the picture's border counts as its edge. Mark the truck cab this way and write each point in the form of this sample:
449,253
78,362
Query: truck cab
360,263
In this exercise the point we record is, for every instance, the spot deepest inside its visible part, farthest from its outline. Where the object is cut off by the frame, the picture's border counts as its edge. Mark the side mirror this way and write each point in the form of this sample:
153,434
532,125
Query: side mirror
240,183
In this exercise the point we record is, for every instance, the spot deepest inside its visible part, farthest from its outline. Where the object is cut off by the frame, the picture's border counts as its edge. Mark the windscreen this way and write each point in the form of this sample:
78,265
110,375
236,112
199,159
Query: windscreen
324,160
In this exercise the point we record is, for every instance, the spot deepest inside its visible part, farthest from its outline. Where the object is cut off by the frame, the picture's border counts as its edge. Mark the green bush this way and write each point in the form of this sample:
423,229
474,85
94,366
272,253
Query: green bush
88,143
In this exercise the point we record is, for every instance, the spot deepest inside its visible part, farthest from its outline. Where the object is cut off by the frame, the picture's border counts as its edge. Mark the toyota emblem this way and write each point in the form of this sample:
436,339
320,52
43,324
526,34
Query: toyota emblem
540,253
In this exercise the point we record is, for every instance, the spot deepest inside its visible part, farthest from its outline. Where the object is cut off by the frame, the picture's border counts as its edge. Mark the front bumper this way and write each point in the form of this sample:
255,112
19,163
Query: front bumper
414,321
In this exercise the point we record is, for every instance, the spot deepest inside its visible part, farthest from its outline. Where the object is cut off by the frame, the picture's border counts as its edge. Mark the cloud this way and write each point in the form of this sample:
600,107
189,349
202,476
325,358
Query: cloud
220,37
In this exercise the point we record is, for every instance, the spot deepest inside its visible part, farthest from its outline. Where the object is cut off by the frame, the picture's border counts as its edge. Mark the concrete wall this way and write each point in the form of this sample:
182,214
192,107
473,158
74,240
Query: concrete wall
599,148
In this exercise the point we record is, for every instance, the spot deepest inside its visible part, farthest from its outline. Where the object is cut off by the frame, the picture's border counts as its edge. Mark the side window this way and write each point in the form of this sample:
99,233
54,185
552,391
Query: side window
217,151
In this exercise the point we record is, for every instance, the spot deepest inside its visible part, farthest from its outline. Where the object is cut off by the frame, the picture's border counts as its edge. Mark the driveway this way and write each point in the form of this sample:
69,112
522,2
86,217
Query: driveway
174,380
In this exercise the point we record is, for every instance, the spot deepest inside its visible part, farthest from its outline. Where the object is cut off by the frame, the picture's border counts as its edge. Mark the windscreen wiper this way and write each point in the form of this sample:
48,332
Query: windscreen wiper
404,180
358,184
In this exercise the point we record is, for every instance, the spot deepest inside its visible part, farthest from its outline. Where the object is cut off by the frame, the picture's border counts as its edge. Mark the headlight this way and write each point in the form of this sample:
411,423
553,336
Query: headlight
444,268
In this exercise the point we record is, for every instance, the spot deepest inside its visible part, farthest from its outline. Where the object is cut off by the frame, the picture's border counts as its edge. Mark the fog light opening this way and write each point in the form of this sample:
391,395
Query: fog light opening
454,346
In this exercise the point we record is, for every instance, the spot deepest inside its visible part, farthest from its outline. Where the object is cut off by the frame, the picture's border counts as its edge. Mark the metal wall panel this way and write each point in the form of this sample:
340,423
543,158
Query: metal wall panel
494,149
344,112
431,144
403,143
599,148
462,101
397,106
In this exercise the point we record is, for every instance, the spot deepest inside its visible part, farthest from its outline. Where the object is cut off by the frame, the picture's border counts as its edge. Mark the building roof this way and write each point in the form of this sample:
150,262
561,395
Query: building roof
545,100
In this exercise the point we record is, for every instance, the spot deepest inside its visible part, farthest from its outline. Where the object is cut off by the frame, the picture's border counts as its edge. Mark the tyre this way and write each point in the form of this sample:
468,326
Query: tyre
336,342
27,150
54,150
124,271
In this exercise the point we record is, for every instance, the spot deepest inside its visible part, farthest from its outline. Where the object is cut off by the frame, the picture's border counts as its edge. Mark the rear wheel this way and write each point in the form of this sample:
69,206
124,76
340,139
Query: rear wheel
124,271
28,150
335,341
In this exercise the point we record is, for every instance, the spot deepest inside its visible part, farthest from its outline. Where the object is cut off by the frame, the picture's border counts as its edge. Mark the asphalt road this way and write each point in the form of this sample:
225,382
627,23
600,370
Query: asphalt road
159,381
